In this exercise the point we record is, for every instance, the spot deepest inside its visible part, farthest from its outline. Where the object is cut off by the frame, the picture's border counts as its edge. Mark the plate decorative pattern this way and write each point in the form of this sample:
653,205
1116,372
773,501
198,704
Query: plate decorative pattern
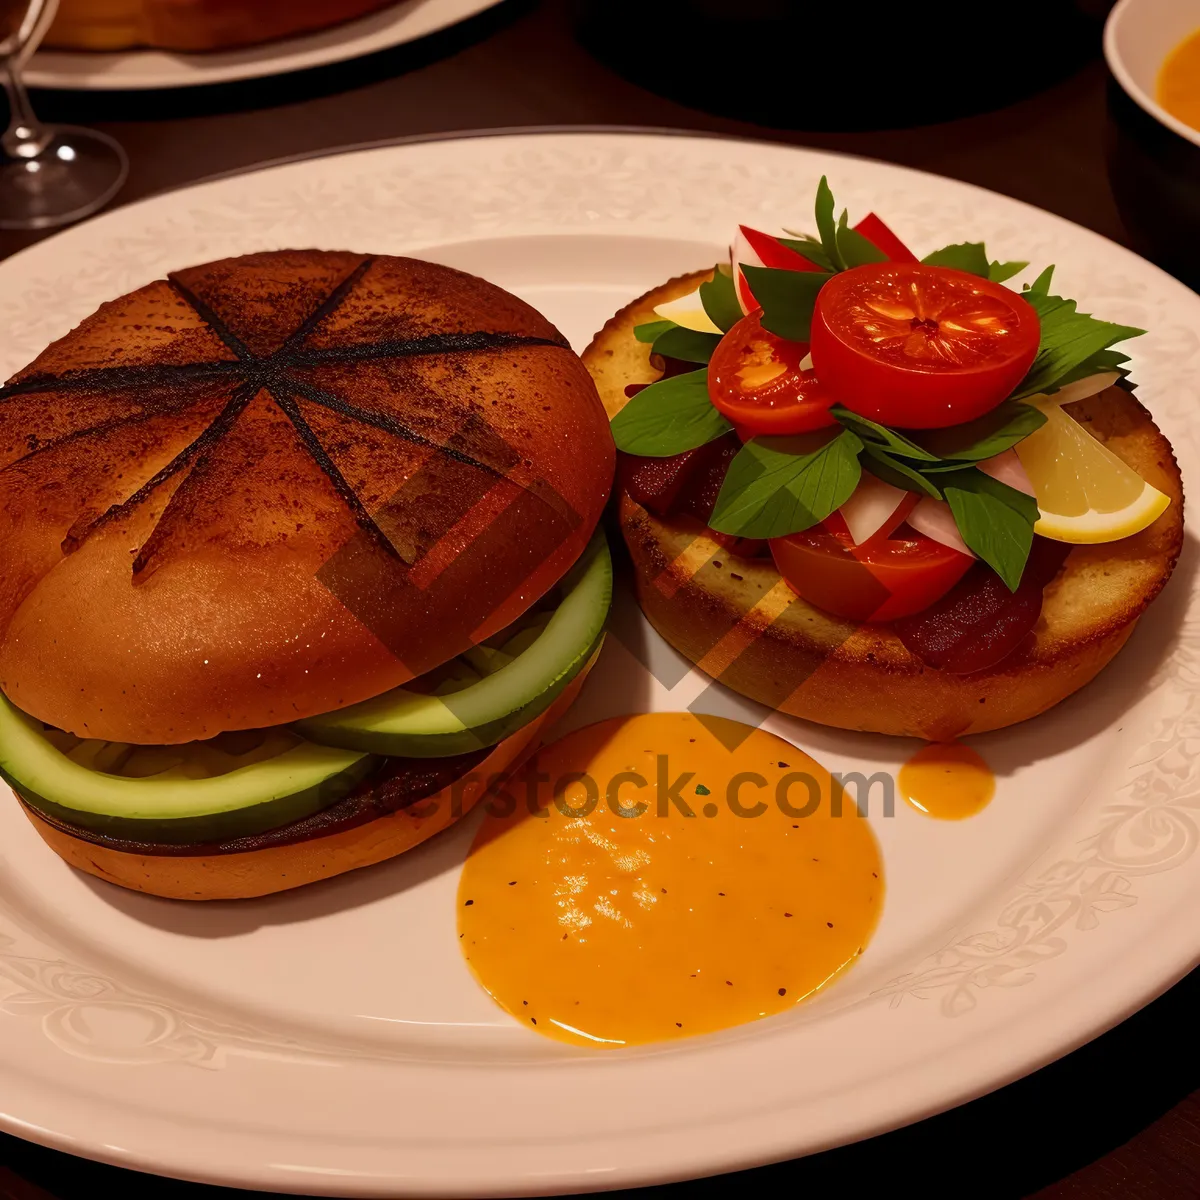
1081,923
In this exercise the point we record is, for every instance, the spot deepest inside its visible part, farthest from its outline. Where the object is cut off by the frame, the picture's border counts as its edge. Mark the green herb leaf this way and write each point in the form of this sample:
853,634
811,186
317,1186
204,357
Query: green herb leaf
1041,285
780,485
651,331
1097,364
787,299
687,345
999,272
872,432
811,249
669,417
826,227
720,301
897,472
854,249
962,256
986,436
1069,340
995,520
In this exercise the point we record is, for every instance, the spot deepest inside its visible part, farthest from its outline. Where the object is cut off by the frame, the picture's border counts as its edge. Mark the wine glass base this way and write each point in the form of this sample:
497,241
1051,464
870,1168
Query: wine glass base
76,172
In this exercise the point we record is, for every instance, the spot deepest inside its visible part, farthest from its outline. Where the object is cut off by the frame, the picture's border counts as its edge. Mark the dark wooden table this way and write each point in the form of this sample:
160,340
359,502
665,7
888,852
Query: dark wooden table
1117,1119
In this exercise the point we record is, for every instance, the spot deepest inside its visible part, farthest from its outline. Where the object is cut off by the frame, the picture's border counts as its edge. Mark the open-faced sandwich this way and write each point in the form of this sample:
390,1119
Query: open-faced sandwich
881,492
298,552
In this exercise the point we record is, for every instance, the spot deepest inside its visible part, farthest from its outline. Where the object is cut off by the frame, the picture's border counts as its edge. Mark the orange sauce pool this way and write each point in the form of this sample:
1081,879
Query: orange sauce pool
1179,81
947,781
636,922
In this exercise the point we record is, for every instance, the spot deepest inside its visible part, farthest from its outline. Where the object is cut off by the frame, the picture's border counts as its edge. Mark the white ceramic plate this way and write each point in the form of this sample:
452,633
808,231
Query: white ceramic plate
136,69
331,1040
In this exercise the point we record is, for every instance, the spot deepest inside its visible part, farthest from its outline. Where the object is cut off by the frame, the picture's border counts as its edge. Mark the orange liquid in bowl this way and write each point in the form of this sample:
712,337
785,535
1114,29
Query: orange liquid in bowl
1179,81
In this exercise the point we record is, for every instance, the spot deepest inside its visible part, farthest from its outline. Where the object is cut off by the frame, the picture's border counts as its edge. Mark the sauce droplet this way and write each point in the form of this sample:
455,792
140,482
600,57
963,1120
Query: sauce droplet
947,781
663,924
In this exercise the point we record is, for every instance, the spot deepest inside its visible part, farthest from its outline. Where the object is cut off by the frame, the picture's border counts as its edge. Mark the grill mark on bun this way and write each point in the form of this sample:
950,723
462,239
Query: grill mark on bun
210,317
85,526
271,371
329,304
317,452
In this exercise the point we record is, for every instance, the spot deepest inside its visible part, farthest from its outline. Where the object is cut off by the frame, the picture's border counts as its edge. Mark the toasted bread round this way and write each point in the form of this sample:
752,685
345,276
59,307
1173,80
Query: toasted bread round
743,625
275,485
240,875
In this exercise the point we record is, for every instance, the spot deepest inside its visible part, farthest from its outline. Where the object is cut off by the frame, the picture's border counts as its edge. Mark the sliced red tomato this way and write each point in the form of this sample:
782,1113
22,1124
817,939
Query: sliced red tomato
880,236
920,347
755,379
883,579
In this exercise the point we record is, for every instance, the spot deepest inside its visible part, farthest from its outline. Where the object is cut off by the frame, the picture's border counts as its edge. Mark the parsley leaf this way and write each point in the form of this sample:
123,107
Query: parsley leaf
999,272
854,249
1097,364
687,345
962,256
669,417
897,472
995,520
651,331
826,227
811,249
720,300
780,485
787,299
986,436
872,432
1041,285
1069,339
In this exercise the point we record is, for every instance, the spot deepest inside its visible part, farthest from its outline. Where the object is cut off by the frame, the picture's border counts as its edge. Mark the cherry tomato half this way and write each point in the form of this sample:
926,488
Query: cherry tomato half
920,347
754,379
883,579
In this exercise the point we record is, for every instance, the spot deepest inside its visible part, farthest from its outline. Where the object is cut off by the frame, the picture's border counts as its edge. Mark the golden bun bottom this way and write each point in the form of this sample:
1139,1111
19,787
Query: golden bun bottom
739,621
278,868
194,24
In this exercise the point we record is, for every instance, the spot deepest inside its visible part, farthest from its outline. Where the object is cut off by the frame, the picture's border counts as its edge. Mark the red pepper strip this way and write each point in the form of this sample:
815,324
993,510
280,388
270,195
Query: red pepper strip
979,622
880,236
774,253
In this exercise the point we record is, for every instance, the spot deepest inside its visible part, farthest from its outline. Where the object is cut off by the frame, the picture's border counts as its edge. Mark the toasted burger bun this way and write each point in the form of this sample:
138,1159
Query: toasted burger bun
240,876
404,461
194,24
741,623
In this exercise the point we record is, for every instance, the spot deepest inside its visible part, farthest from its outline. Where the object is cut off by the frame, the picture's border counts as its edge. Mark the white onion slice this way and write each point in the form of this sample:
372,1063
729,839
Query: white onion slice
1081,389
742,252
934,519
806,363
868,509
1007,468
688,311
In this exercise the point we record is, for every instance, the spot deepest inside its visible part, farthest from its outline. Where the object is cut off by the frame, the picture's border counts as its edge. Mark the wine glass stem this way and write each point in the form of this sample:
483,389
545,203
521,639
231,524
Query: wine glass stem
25,136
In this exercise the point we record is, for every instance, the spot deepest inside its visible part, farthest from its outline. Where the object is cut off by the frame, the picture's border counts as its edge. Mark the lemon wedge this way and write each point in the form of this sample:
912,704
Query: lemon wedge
1084,491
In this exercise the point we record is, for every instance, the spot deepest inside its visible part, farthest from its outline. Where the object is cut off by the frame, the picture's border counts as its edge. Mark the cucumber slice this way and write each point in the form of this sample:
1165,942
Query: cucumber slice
424,724
234,786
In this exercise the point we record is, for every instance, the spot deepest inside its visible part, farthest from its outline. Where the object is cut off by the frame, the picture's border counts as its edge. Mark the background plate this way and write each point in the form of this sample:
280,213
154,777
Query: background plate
331,1041
137,69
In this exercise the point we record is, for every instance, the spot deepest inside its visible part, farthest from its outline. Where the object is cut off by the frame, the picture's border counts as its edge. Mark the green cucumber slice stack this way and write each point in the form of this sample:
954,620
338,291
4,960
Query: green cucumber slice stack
245,783
493,690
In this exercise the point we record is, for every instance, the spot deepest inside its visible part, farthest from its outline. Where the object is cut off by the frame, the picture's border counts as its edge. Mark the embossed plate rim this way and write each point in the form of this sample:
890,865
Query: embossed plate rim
631,184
